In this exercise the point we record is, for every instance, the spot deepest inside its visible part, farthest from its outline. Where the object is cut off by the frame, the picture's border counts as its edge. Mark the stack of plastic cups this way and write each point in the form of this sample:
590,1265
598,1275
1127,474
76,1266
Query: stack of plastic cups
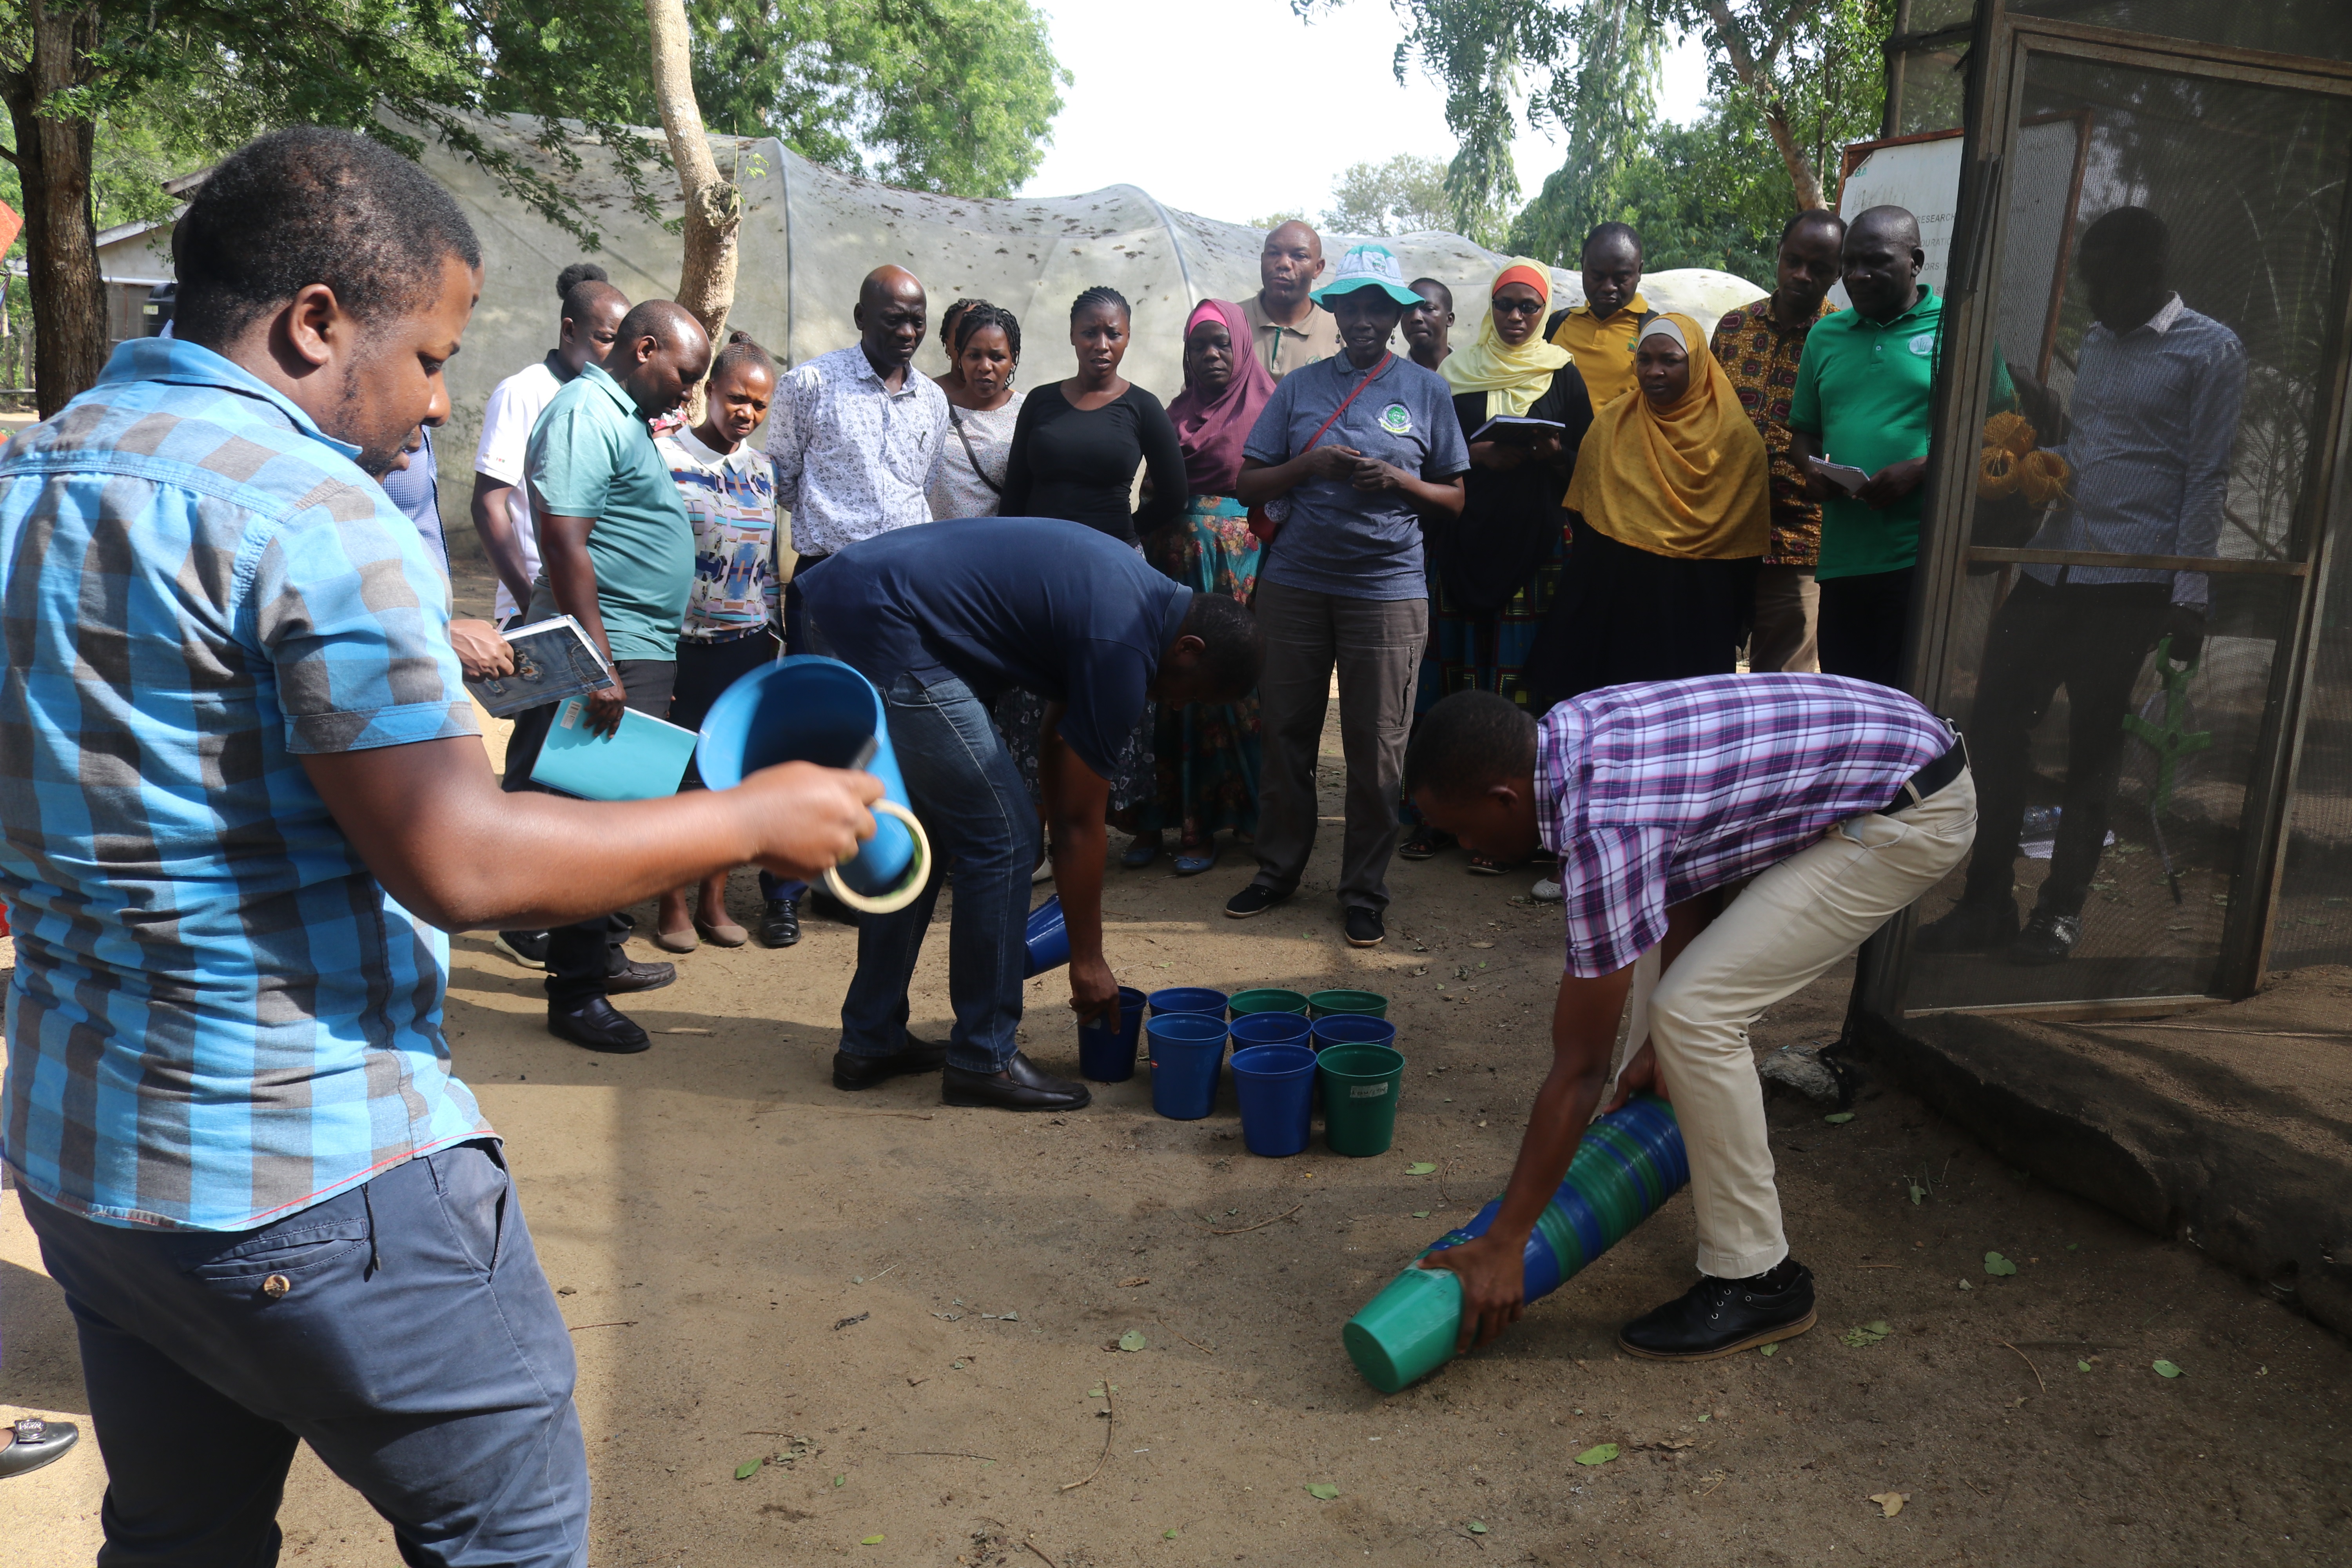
1631,1161
1188,1057
1351,1029
1276,1085
1323,1004
1046,939
1188,999
1268,999
1107,1051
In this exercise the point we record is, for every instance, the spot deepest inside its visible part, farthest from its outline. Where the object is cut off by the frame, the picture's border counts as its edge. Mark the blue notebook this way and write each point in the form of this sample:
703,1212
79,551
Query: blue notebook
642,760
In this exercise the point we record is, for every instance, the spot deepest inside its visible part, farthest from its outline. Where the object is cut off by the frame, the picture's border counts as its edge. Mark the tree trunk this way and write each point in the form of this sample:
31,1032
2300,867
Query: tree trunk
714,206
1754,74
53,160
1801,172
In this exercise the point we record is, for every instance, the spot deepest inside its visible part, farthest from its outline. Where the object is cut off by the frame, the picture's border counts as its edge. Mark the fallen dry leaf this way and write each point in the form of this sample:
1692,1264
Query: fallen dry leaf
1675,1444
1891,1501
1132,1280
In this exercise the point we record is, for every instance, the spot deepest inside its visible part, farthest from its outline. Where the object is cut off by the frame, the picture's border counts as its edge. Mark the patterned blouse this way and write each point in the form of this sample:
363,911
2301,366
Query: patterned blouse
731,502
1762,360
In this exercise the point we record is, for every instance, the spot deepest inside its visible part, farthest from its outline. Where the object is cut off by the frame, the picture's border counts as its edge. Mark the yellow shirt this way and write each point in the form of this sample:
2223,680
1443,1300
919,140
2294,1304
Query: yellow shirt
1603,350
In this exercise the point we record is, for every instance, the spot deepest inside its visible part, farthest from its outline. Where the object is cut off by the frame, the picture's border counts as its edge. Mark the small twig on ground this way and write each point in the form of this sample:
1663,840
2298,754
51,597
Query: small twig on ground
1717,1481
871,1278
620,1323
1446,1196
763,1431
1974,1488
683,1030
1110,1424
936,1454
2026,1360
1188,1339
1261,1224
1041,1554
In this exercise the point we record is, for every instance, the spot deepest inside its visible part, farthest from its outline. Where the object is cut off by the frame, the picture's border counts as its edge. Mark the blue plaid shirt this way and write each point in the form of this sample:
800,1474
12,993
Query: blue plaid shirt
218,1017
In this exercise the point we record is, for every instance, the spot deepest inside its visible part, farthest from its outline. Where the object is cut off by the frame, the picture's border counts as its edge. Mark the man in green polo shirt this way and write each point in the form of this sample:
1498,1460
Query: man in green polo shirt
1862,401
616,554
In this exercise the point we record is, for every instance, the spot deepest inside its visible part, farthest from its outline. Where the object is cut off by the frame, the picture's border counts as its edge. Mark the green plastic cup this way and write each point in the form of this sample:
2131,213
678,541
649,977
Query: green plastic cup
1360,1086
1370,1003
1406,1331
1267,999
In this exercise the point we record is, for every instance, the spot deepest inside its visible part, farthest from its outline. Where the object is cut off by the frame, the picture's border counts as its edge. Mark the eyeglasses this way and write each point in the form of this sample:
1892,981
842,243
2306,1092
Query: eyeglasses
1517,307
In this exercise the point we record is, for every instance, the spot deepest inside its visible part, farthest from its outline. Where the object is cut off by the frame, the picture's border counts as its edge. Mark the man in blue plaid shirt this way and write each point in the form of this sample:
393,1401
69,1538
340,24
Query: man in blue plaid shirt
242,798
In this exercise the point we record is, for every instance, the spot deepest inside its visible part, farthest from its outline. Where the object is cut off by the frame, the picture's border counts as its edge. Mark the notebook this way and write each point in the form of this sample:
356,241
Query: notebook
642,760
1518,429
553,659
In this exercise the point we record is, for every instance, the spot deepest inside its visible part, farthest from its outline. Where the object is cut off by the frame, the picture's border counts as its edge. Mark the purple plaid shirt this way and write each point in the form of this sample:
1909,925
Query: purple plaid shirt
1659,792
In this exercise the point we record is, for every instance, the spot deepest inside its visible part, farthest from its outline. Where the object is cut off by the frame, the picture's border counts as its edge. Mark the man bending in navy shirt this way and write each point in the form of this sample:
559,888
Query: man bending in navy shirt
940,620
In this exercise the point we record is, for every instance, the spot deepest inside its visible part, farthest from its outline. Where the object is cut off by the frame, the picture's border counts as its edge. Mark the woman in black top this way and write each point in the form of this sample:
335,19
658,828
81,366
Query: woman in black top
1078,443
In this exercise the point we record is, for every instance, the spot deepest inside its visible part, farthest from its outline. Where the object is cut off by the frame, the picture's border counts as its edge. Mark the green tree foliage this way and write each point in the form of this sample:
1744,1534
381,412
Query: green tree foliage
957,96
1404,196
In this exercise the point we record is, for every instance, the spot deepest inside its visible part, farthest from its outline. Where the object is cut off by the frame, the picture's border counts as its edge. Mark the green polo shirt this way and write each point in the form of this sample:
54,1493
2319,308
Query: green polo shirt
591,456
1863,387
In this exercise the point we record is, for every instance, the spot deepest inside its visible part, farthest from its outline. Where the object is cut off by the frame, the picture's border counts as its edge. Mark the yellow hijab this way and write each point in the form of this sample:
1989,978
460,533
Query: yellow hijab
1512,378
1688,480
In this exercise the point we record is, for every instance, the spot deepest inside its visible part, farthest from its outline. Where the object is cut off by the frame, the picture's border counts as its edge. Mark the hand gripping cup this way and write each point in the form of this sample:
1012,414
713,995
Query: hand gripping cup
1631,1161
811,710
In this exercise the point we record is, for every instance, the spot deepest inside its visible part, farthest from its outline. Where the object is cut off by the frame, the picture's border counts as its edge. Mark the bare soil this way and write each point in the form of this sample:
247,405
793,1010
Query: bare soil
897,1314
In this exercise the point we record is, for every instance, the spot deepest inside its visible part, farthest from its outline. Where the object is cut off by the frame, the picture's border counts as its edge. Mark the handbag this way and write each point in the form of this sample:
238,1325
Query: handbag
1263,522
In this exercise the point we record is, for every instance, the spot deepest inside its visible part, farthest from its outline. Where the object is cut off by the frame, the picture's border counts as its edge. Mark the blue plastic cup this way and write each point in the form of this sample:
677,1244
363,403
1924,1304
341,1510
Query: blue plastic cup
1046,939
1276,1088
1271,1030
1188,999
1352,1029
1107,1051
1187,1055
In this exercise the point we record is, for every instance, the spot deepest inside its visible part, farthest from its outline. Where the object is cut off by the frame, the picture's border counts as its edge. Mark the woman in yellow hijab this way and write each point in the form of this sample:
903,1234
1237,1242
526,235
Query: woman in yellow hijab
1671,516
1493,570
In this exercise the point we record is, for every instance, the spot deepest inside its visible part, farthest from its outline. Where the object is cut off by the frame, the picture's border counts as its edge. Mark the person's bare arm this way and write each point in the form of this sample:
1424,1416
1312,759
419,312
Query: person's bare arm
433,825
1584,1035
1075,800
571,579
494,525
481,651
1803,447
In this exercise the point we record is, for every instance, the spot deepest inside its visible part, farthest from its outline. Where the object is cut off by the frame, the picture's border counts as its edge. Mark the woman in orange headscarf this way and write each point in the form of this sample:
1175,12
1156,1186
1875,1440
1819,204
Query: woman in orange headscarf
1671,516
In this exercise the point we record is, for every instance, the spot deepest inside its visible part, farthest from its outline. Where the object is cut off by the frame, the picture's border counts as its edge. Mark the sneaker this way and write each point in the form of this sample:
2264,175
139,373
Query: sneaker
1721,1317
1969,928
2047,938
1253,899
1547,891
528,947
1365,928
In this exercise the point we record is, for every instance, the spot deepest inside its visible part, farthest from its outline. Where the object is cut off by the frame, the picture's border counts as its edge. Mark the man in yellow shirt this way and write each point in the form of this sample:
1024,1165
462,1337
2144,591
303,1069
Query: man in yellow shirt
1600,333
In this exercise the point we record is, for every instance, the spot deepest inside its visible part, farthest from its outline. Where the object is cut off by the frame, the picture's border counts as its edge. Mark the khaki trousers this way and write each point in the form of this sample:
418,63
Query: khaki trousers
1789,925
1787,608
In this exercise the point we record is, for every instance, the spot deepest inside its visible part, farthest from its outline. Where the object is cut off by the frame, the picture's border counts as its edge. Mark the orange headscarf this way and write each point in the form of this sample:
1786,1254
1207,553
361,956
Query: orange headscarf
1688,480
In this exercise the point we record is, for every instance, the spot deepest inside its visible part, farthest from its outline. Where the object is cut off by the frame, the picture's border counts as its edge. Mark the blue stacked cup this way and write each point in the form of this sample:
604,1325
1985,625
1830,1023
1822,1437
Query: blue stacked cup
1188,1057
1271,1030
1106,1050
1188,999
1276,1085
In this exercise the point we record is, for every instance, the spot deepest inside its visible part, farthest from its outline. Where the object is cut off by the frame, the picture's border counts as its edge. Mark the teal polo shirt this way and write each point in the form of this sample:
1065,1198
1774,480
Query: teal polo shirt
1864,388
591,456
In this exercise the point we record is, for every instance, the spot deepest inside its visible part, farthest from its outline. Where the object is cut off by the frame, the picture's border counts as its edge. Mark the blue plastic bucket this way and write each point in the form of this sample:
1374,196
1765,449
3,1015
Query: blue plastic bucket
1276,1088
1352,1029
1046,938
1270,1029
1188,999
811,710
1188,1055
1107,1051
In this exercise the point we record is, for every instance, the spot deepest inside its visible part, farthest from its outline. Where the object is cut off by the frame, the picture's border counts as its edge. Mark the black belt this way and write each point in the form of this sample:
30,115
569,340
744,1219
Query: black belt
1929,779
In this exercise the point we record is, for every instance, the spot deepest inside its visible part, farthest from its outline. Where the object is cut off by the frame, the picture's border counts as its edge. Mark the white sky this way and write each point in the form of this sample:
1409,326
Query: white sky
1187,101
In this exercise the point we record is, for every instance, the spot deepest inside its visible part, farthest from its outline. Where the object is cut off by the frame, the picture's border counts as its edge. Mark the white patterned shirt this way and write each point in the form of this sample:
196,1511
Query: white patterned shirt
852,457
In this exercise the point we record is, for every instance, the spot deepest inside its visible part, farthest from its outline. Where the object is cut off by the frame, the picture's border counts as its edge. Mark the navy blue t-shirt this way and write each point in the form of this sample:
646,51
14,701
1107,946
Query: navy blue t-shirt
1053,607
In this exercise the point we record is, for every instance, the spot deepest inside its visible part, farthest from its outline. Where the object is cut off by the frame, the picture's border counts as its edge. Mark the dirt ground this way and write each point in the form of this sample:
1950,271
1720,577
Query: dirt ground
906,1311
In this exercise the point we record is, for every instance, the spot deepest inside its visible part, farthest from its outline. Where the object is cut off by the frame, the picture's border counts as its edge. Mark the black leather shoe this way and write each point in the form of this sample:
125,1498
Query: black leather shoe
597,1025
779,923
1365,928
1020,1086
1969,928
33,1443
633,976
2046,938
528,947
864,1072
1253,899
1722,1317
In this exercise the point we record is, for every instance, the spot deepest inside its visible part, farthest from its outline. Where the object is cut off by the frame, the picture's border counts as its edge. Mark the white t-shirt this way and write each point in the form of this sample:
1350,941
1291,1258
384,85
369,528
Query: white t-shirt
514,407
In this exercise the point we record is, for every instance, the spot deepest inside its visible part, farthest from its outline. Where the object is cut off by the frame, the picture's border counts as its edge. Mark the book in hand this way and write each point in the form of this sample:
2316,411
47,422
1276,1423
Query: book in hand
1845,476
553,659
1518,429
642,760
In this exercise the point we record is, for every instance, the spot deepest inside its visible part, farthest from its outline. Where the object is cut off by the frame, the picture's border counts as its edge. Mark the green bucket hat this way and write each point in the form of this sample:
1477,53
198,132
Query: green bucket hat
1366,267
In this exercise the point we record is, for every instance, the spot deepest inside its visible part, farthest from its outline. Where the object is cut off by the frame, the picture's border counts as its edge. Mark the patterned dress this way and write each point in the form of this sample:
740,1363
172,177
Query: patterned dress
1761,360
1208,752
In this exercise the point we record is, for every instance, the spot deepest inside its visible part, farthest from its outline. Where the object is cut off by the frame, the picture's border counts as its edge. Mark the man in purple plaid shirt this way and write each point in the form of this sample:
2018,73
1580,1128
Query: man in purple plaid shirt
1843,800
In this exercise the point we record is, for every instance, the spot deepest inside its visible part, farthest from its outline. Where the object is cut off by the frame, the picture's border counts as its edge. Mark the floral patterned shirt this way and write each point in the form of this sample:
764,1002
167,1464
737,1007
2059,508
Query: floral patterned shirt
1762,360
731,502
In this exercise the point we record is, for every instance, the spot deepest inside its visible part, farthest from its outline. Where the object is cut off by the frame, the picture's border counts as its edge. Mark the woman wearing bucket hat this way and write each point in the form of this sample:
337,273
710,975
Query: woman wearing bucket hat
1352,460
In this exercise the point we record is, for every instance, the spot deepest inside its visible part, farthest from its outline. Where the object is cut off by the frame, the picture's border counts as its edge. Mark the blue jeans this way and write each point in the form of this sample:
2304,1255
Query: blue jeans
963,784
402,1329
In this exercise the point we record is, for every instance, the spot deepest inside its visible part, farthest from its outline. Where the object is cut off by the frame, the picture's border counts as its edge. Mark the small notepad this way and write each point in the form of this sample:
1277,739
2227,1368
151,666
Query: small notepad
642,760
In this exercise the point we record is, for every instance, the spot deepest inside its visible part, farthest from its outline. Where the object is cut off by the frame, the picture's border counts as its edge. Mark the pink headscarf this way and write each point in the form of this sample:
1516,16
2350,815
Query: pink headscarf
1212,430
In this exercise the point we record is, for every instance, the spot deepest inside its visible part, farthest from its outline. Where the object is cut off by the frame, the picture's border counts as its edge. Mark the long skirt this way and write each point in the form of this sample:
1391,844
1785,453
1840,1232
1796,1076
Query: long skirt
1470,651
1208,752
1625,615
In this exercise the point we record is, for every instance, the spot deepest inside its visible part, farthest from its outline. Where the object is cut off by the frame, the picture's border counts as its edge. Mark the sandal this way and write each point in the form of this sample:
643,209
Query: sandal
1486,865
1422,843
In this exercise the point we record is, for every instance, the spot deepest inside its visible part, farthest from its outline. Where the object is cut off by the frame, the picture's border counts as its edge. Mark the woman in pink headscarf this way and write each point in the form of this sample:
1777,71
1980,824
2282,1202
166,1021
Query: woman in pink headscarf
1208,756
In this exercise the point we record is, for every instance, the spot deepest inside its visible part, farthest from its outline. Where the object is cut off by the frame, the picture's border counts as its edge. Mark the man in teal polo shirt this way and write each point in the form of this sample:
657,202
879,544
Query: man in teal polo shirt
1862,401
616,554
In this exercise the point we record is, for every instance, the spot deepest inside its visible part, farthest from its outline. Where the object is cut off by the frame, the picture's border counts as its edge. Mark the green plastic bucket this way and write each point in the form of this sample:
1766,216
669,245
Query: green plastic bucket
1267,999
1370,1003
1407,1332
1360,1085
